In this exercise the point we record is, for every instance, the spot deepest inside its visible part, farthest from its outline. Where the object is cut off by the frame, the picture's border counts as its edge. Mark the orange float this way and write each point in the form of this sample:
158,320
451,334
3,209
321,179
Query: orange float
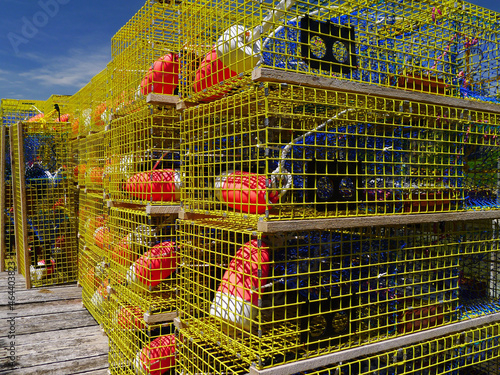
162,185
157,357
154,266
237,297
163,76
212,72
245,192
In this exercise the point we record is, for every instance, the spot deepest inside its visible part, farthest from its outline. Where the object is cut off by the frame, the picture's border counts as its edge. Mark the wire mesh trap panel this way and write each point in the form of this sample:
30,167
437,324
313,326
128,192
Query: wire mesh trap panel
474,352
82,162
93,223
289,152
136,347
144,161
99,113
144,56
143,259
95,162
11,111
46,233
83,111
272,299
93,278
447,48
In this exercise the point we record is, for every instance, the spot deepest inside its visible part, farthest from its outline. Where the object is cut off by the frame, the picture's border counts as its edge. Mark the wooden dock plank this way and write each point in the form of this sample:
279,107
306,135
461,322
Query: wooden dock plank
43,295
79,366
44,308
54,334
52,322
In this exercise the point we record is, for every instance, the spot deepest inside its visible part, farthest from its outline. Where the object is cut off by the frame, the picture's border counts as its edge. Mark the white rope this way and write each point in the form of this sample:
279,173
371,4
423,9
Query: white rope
281,170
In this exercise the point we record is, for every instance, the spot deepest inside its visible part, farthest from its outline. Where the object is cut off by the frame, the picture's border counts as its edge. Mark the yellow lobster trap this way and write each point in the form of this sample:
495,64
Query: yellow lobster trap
95,163
144,158
46,233
82,103
93,279
283,152
448,48
136,346
472,351
277,298
144,56
143,260
11,111
93,223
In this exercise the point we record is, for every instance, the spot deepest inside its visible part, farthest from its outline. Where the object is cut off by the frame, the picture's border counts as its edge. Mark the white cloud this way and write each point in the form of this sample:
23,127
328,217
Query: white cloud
73,70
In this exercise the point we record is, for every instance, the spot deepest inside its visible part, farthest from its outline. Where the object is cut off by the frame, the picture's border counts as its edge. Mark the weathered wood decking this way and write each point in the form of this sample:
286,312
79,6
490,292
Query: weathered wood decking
54,334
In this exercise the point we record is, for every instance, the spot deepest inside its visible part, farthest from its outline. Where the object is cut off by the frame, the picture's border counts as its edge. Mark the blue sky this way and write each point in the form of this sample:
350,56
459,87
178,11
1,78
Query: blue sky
56,46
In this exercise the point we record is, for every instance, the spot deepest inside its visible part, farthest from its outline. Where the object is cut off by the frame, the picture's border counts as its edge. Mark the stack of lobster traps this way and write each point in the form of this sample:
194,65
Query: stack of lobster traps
11,112
339,187
43,199
142,184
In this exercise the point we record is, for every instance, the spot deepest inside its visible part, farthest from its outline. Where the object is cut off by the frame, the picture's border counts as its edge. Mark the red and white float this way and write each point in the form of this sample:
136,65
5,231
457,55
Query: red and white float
238,294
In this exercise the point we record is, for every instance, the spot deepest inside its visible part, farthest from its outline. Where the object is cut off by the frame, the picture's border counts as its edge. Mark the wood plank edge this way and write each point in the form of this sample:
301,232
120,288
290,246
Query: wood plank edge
378,347
302,79
371,221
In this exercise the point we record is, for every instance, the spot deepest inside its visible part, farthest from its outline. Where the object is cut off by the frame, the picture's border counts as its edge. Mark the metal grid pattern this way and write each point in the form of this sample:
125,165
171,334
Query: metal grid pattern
144,57
99,112
473,352
83,112
82,162
446,48
277,298
92,277
44,207
136,347
93,220
283,152
11,111
144,157
95,162
143,259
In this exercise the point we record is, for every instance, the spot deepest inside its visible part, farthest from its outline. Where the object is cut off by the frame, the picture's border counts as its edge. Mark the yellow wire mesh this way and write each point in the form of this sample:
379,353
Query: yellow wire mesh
289,152
144,57
472,352
44,205
143,259
95,162
100,114
447,48
83,114
92,277
82,162
11,111
271,299
144,157
136,347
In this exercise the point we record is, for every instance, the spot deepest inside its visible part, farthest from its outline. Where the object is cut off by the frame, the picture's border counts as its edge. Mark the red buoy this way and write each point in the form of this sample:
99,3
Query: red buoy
238,293
36,117
157,357
102,237
130,317
163,76
154,266
246,192
162,185
38,273
212,72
